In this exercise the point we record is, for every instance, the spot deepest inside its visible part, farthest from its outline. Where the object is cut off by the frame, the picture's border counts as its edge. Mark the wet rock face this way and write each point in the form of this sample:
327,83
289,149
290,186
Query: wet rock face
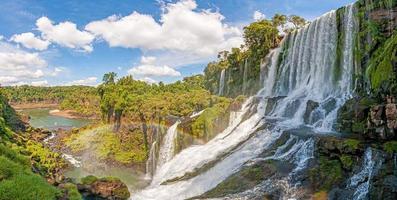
104,188
382,120
310,107
387,18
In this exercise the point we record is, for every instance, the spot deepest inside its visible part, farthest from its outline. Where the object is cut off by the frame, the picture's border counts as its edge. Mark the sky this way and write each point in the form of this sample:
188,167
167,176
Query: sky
74,42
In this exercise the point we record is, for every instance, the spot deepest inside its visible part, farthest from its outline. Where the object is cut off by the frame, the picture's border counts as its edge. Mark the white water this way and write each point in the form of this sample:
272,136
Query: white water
151,162
196,114
221,83
304,74
72,160
360,182
233,118
245,73
47,139
167,148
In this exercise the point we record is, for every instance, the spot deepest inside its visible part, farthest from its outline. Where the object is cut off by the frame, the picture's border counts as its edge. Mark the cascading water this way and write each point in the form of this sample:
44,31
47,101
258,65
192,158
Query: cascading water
221,83
245,74
360,182
167,148
304,74
151,162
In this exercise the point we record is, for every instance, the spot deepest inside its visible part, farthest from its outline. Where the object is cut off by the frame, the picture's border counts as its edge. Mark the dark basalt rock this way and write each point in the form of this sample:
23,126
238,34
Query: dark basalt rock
310,107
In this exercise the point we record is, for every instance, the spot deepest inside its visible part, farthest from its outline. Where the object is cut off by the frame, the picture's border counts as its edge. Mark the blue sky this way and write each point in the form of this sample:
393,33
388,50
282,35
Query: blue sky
49,42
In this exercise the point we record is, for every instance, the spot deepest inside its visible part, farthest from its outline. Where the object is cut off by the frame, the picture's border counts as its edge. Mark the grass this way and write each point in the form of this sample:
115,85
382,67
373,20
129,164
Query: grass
19,183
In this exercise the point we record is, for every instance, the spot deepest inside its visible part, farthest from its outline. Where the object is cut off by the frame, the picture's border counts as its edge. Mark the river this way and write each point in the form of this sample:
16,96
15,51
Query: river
41,118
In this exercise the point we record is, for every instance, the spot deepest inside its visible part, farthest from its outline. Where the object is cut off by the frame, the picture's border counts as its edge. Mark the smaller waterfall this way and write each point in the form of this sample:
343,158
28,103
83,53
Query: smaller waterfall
167,148
361,181
47,139
72,160
221,83
196,114
151,162
245,74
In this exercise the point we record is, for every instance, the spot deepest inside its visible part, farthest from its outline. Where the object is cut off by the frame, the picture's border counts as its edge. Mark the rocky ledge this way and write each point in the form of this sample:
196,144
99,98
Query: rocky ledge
103,188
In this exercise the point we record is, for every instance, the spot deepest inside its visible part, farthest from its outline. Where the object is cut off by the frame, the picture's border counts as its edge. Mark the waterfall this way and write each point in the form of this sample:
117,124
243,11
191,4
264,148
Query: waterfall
360,182
245,74
300,72
151,162
167,148
196,114
221,83
72,160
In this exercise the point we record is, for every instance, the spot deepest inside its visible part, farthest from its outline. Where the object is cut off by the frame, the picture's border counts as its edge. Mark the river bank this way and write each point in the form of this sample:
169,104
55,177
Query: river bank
22,106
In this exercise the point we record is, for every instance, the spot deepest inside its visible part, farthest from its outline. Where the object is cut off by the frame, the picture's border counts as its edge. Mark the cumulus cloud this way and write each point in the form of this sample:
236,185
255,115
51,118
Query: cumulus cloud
87,81
65,34
19,67
148,68
29,40
182,27
258,15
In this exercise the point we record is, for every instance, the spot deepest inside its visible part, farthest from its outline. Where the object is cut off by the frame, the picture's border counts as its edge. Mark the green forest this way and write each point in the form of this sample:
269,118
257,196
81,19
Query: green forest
251,121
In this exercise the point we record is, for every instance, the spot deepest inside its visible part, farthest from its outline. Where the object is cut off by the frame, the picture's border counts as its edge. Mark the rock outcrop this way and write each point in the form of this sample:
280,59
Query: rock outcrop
104,188
382,120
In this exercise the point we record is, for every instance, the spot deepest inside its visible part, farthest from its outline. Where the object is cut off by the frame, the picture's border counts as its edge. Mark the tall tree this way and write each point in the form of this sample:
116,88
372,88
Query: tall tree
109,78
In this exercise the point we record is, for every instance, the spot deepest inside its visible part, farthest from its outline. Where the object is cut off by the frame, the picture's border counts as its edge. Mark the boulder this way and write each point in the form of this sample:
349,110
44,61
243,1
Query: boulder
310,107
110,188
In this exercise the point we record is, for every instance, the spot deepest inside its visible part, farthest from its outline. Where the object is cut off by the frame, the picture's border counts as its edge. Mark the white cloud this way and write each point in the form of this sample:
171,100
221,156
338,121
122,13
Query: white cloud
148,80
182,27
40,83
258,15
29,40
148,69
1,37
56,71
87,81
65,34
8,79
19,67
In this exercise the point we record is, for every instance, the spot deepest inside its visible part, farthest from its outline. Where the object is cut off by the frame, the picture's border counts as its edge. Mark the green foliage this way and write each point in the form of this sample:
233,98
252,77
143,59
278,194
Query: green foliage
351,144
203,126
20,183
47,162
381,71
82,99
358,127
328,174
72,191
347,161
106,145
88,180
14,156
390,147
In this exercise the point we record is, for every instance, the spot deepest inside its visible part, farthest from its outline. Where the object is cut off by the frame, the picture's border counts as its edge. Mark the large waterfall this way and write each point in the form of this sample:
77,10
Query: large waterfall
167,148
302,71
